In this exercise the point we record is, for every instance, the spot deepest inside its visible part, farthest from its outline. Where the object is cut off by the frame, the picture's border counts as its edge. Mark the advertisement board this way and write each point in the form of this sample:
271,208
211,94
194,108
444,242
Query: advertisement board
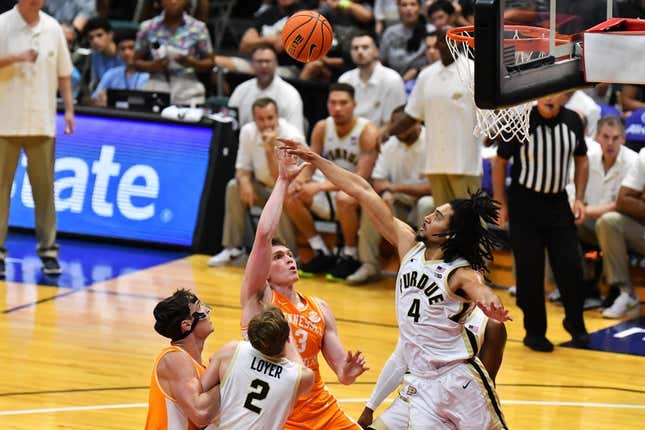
123,178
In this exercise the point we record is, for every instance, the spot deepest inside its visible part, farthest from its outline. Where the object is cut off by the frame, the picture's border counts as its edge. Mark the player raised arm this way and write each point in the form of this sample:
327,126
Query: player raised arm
470,283
200,406
259,263
396,232
346,365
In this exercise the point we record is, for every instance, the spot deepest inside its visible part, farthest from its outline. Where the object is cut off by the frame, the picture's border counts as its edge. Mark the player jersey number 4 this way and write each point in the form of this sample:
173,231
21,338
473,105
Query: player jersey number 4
431,320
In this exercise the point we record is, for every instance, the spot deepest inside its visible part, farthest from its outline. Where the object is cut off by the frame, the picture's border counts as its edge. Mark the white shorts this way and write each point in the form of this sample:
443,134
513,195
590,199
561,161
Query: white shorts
396,416
459,397
393,418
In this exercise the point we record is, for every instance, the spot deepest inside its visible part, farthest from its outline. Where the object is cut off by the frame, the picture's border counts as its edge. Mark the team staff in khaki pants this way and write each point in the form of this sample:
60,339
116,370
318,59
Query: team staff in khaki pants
34,63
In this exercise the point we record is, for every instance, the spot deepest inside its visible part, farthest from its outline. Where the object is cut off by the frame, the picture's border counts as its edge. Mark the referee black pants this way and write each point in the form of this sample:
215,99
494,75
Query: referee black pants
538,221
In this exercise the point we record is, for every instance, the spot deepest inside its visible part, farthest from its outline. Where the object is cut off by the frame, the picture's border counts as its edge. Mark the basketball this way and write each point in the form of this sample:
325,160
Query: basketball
307,36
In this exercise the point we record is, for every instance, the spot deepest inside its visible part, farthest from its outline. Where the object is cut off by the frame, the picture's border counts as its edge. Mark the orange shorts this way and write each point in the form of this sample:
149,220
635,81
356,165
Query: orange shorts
321,412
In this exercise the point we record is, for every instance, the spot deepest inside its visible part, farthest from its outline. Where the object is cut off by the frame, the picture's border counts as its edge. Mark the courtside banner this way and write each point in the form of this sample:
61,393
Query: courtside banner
123,178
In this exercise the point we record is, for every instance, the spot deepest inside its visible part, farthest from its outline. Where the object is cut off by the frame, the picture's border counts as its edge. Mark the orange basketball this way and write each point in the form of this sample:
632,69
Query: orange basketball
307,36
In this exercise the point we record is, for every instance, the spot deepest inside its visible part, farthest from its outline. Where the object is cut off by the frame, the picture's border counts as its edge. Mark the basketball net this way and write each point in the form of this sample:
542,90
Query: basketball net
510,123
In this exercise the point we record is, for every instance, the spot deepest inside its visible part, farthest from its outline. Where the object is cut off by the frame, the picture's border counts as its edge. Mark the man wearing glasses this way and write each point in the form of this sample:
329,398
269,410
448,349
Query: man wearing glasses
176,399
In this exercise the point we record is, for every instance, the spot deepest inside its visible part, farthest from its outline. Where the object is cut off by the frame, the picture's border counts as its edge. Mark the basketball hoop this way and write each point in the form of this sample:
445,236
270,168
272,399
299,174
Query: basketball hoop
524,44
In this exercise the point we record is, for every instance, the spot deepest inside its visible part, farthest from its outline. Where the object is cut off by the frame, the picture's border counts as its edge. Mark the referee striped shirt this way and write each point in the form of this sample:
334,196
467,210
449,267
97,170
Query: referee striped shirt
543,163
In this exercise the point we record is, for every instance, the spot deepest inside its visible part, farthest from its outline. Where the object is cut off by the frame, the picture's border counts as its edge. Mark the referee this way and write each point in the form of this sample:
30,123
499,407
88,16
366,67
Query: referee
540,215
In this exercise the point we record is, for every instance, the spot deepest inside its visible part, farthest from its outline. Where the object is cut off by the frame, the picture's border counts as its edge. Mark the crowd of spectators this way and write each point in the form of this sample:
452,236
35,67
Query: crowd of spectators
405,91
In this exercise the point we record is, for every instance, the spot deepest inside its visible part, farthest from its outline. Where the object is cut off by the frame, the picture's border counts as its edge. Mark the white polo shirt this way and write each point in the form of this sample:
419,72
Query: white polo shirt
379,96
28,90
399,163
602,188
635,178
251,155
445,105
582,103
285,95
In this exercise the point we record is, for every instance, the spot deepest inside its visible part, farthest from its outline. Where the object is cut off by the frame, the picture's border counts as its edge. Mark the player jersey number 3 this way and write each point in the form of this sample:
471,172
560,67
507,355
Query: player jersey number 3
301,339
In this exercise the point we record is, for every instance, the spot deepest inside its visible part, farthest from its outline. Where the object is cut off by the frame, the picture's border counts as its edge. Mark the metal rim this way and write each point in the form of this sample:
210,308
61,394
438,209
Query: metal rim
537,38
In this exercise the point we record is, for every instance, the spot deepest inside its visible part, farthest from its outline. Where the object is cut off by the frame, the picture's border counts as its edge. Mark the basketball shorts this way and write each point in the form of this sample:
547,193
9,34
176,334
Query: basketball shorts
460,396
322,412
396,416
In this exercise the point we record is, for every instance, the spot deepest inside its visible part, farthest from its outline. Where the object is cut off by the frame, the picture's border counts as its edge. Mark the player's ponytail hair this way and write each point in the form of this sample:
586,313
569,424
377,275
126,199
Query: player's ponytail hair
472,233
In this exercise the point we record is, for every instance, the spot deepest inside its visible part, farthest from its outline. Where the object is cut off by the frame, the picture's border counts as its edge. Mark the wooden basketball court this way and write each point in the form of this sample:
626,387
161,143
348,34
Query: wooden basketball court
80,358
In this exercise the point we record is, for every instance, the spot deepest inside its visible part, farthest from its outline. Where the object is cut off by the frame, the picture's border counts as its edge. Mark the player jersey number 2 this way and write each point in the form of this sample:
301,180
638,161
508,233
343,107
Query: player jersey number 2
261,391
301,339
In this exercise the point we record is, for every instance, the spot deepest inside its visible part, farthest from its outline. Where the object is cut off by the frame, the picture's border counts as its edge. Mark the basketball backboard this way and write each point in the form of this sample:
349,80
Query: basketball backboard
506,73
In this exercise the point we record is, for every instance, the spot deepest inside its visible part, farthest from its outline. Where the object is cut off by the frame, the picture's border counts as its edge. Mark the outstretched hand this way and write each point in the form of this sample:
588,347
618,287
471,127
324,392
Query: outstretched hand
353,367
288,167
298,149
495,310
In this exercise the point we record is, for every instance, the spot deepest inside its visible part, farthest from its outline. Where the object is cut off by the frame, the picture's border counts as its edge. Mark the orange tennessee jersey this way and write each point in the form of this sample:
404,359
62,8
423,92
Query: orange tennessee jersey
163,412
318,409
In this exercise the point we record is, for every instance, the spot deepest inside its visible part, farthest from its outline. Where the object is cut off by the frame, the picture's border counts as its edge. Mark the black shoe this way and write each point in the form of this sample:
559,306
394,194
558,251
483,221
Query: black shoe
579,338
614,292
345,266
321,263
541,344
51,266
3,271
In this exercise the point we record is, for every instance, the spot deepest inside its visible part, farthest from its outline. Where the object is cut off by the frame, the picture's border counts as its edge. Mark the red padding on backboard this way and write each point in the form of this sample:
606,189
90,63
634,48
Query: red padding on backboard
619,25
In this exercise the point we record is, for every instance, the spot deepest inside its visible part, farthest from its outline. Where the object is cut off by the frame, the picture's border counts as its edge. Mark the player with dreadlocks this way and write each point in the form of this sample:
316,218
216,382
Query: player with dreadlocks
438,286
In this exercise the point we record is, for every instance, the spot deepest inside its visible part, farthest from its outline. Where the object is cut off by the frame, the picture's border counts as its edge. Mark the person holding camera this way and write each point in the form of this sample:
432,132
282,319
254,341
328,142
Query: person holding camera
172,47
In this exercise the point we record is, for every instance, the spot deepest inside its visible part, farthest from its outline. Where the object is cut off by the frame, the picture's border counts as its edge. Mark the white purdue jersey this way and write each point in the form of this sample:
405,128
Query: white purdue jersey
431,321
257,392
343,152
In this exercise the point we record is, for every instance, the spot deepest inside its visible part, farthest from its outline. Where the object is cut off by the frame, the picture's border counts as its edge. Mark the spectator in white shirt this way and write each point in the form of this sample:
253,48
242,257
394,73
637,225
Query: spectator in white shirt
398,177
379,89
34,64
442,101
267,84
622,231
609,162
256,171
587,108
